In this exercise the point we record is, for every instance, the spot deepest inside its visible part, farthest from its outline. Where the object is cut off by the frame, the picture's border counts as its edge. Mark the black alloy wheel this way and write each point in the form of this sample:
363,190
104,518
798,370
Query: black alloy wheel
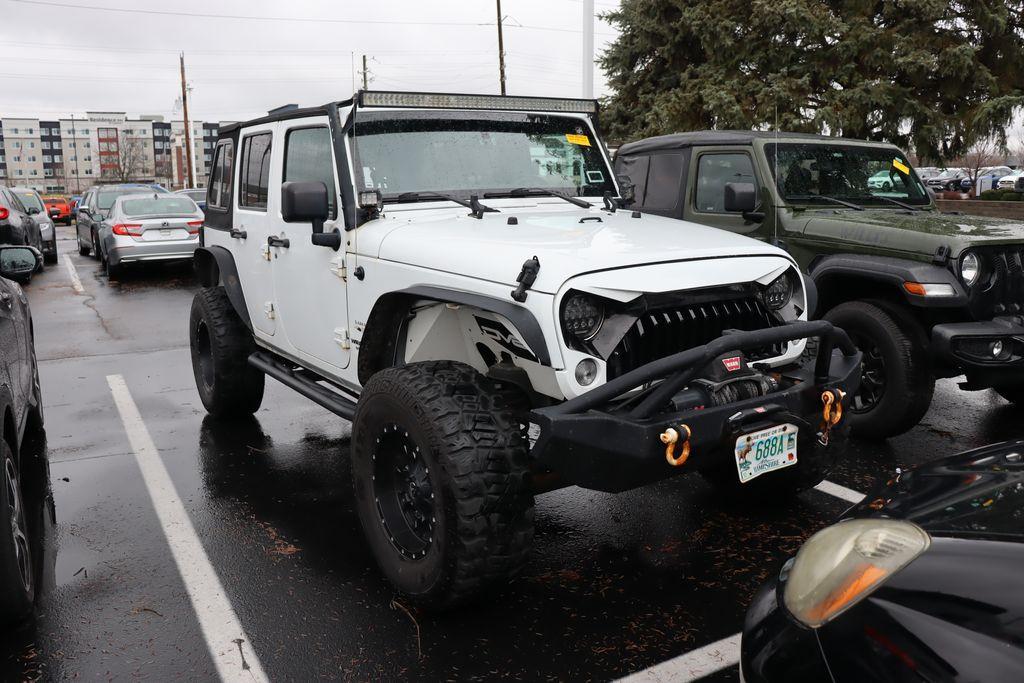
402,491
872,377
18,526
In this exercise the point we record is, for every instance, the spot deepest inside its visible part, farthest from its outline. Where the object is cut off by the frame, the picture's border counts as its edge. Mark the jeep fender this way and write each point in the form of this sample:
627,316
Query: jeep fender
215,265
882,274
378,345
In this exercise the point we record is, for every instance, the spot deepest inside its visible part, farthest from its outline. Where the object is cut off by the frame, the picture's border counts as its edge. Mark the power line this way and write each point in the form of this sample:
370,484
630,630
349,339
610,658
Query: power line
65,46
210,15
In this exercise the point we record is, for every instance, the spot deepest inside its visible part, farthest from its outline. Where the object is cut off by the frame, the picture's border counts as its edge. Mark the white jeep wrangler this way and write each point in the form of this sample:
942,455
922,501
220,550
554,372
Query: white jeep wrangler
458,276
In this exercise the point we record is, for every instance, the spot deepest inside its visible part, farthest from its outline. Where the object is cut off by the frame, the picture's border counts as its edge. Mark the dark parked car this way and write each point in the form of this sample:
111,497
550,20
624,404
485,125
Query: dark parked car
36,208
17,225
93,208
922,581
20,399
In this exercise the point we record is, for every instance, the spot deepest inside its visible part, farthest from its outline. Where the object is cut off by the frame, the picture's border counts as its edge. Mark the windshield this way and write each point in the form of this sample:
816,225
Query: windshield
162,205
482,154
857,174
30,200
106,199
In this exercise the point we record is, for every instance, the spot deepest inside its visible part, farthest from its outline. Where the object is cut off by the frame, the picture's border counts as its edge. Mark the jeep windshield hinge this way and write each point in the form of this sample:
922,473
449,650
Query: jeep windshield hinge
477,209
527,276
941,256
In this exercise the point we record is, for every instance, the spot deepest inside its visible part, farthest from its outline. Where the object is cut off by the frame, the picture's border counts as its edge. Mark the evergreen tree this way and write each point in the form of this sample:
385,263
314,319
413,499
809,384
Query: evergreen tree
934,75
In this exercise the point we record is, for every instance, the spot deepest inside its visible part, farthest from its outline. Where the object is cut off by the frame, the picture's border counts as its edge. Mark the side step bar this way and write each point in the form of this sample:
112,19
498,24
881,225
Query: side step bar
304,382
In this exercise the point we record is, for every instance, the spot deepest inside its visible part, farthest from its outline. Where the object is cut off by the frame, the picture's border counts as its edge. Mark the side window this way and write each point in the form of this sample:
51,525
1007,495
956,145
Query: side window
220,184
254,177
664,182
713,172
307,157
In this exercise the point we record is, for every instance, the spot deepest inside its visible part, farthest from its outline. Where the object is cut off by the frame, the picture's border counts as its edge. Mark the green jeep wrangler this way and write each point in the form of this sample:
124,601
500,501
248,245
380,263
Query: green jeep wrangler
924,294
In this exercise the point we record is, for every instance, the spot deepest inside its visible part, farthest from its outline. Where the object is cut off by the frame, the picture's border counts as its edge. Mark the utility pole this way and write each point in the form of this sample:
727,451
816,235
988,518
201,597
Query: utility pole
190,179
588,48
366,85
501,52
78,176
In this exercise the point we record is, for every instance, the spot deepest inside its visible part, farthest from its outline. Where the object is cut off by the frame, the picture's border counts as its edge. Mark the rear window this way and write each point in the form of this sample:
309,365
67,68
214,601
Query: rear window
158,206
31,201
107,199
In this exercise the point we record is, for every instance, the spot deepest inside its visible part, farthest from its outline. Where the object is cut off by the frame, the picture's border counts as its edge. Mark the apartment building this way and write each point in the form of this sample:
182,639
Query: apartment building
70,154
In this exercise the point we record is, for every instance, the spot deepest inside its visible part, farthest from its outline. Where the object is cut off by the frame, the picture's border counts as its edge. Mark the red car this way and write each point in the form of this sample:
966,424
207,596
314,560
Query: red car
59,209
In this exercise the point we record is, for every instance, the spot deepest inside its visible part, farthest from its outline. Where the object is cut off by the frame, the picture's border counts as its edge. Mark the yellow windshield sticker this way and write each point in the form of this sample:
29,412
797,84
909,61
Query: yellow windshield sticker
578,139
900,166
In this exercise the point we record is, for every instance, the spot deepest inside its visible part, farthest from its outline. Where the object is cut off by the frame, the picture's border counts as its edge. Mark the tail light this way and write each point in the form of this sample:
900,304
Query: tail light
130,229
194,226
4,213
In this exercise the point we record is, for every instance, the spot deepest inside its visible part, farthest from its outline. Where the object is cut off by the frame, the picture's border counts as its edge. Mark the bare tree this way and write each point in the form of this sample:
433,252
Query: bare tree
128,163
983,154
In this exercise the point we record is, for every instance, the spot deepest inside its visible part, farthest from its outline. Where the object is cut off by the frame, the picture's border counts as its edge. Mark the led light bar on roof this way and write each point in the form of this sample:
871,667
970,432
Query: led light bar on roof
442,101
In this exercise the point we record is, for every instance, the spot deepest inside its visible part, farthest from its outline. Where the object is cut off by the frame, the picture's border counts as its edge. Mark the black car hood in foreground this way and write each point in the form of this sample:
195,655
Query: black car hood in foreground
956,613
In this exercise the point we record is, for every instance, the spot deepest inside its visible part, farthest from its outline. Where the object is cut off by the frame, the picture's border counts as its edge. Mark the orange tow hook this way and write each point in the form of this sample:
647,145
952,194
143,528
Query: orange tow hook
670,437
831,413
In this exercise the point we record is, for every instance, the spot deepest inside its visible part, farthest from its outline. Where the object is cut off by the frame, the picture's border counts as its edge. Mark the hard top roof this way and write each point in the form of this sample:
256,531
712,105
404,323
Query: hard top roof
724,137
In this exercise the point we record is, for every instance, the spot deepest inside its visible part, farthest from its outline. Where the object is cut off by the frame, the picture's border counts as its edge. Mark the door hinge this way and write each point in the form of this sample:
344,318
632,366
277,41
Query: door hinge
341,337
265,252
337,266
268,308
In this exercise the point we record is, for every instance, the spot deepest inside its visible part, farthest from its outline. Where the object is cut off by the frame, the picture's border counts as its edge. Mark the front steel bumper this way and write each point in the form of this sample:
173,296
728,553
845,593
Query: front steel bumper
967,347
608,439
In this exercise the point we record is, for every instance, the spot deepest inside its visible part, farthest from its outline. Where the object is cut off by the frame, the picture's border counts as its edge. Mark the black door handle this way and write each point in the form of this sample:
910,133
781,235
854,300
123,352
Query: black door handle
275,241
240,234
5,299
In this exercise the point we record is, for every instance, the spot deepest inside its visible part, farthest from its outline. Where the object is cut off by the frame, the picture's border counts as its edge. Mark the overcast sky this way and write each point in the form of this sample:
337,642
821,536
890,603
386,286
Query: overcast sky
59,57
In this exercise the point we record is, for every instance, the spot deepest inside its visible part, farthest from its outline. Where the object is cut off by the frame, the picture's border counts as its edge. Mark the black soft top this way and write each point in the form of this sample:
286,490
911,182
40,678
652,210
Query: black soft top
720,137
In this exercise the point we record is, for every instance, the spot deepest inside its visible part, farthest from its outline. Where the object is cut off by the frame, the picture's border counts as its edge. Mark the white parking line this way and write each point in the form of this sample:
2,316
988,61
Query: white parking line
228,644
76,283
695,664
849,495
723,653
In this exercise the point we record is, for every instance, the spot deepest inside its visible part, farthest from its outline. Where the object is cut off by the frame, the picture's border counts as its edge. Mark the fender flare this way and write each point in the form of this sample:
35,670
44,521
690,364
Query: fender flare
215,265
894,272
387,315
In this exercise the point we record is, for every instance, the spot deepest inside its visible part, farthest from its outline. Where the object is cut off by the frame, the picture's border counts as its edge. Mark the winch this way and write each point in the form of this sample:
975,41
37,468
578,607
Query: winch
726,379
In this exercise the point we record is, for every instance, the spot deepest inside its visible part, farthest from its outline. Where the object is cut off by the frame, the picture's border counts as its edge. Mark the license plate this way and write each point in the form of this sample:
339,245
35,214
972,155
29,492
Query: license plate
165,233
765,451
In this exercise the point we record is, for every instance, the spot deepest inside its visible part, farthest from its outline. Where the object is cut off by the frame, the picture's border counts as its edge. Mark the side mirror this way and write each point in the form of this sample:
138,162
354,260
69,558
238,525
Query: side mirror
32,211
307,202
627,190
19,262
84,210
740,197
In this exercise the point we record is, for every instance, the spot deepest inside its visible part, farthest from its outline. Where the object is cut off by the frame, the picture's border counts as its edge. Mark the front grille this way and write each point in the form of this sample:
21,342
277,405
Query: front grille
663,331
1008,288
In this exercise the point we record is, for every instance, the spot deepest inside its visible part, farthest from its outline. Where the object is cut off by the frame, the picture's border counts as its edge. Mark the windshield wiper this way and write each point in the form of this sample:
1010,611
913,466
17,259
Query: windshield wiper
528,191
897,202
834,200
473,203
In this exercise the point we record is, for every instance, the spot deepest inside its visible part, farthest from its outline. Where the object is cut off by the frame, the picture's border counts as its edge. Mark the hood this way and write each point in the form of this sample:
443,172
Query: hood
977,493
911,231
567,241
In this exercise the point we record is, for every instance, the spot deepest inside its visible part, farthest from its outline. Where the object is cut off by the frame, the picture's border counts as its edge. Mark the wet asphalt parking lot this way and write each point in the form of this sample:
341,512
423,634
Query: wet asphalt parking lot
616,584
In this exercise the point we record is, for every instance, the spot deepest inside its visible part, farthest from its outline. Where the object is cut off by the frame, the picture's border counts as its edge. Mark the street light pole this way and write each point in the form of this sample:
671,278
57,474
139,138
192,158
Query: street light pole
78,175
190,178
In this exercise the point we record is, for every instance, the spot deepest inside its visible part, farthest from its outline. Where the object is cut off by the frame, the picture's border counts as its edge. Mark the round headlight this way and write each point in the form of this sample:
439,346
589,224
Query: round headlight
778,293
582,315
842,564
970,269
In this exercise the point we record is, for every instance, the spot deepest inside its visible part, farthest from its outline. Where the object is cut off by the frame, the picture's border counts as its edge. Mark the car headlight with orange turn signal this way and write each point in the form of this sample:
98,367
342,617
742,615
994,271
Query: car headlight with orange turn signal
842,564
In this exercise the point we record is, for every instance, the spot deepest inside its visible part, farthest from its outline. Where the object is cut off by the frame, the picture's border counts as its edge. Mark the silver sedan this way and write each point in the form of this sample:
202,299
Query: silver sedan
148,227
